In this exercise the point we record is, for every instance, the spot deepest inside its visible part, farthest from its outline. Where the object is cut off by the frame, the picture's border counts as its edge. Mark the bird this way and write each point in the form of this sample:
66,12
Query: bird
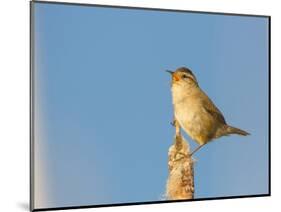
195,112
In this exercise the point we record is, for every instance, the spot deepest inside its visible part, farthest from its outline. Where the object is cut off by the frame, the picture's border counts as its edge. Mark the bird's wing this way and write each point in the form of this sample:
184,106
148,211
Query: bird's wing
210,107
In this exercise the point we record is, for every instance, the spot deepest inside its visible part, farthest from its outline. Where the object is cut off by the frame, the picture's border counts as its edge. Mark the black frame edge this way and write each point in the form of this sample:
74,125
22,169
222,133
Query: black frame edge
269,105
148,8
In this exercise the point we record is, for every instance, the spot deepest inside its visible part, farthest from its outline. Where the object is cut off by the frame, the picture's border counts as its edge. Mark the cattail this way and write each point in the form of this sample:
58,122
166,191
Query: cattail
180,184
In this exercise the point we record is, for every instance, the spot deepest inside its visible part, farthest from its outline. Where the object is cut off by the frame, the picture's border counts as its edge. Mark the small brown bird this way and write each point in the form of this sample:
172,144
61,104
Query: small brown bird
195,112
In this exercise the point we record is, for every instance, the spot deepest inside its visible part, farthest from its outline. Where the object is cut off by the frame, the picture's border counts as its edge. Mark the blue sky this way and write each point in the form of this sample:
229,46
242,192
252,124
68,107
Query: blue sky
103,103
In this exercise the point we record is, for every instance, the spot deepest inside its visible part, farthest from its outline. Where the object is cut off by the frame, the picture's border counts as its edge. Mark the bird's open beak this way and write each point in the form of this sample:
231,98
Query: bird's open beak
169,71
174,76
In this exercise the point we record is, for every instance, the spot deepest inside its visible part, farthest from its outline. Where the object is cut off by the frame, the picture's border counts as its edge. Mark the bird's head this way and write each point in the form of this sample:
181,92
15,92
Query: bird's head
183,77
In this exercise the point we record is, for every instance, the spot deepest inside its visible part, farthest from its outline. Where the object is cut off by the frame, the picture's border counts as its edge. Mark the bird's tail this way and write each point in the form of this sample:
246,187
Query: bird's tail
234,130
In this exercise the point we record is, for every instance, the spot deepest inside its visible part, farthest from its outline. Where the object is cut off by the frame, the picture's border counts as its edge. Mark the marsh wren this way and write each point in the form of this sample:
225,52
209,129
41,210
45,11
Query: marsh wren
194,111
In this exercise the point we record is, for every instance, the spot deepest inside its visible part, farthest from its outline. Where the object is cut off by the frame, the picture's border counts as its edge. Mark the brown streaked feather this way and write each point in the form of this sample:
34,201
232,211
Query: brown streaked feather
210,107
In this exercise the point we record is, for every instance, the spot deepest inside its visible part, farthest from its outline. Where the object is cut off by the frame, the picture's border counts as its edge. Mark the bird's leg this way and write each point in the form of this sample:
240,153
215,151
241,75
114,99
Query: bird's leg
196,149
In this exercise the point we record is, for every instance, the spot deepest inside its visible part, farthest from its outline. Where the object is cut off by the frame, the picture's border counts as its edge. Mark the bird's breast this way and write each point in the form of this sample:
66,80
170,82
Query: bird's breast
192,119
186,113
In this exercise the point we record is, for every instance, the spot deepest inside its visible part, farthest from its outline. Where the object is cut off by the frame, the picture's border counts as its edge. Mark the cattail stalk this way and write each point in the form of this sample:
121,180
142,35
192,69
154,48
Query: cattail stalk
180,184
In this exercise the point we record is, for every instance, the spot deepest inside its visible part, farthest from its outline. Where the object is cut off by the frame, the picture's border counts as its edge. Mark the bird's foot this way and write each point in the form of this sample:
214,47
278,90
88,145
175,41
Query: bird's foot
181,156
173,123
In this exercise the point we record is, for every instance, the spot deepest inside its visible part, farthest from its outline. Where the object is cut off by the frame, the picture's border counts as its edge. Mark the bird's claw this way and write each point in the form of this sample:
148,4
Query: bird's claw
173,123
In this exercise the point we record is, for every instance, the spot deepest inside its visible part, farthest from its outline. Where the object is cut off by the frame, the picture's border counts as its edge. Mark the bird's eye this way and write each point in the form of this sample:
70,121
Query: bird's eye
184,76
